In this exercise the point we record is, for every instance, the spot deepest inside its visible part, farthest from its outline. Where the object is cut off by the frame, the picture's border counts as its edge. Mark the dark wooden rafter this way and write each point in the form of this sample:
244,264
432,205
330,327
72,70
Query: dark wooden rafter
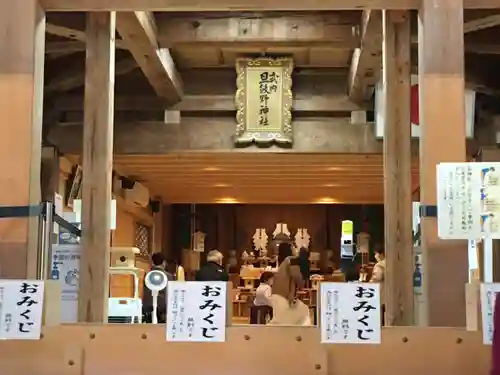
482,22
139,35
74,77
367,58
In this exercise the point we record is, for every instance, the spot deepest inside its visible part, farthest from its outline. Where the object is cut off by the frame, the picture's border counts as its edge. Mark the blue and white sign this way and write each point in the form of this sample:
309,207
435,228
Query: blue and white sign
65,267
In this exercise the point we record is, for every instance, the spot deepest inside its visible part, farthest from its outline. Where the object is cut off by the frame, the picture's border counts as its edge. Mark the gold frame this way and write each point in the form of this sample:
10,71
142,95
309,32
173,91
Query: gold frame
243,134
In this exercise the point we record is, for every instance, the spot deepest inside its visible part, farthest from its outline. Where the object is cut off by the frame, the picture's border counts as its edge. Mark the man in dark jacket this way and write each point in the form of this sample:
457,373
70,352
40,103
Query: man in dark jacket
212,270
159,263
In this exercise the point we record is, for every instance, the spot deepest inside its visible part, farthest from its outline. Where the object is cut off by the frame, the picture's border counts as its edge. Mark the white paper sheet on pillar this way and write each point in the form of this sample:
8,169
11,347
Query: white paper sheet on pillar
468,200
488,294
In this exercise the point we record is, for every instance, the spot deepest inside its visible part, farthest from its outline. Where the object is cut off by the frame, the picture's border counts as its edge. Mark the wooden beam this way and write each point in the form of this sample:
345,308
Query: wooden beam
97,168
367,58
213,103
441,80
397,169
22,38
74,34
138,31
64,47
336,135
245,5
75,77
482,49
482,23
223,32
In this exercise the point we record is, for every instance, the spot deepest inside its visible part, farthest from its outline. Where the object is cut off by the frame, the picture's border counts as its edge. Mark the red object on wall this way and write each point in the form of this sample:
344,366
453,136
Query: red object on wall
414,105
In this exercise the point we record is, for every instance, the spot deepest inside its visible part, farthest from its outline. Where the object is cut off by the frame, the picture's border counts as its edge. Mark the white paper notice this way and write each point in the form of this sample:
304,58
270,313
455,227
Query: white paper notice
488,295
468,200
196,311
350,313
21,307
65,268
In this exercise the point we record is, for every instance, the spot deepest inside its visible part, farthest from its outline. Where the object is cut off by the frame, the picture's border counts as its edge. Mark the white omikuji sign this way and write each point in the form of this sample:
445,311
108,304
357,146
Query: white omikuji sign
469,101
488,295
21,307
196,311
350,313
468,200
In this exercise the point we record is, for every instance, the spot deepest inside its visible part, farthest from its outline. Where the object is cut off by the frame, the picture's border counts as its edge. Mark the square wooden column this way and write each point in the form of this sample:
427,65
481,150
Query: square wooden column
22,40
442,122
97,167
397,168
158,227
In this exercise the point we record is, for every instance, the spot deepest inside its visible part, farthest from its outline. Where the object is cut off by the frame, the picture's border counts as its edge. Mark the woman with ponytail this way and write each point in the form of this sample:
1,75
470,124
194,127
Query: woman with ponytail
287,310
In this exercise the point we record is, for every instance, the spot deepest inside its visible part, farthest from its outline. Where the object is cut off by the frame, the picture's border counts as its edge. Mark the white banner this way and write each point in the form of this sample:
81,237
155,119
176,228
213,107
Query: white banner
469,101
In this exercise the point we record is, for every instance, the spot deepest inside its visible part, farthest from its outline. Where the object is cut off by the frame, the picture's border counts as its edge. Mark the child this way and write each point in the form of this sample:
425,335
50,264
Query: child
263,292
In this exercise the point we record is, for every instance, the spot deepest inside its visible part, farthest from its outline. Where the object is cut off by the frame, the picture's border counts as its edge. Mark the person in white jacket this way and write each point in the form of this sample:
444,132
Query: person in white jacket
378,276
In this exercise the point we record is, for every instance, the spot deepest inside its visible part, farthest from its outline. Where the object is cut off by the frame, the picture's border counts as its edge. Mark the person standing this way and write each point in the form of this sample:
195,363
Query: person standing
159,264
378,276
212,270
288,279
264,291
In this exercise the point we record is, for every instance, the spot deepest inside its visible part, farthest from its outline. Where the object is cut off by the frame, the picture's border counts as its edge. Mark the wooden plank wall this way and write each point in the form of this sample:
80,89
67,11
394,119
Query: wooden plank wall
141,349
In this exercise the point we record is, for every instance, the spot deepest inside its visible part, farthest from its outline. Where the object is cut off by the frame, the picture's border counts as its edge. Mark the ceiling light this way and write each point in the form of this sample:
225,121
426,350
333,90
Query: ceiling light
211,169
227,200
221,185
326,201
332,169
330,185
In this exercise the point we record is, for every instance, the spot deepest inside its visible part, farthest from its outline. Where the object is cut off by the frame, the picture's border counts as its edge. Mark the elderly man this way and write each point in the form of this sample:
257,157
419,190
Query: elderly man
212,270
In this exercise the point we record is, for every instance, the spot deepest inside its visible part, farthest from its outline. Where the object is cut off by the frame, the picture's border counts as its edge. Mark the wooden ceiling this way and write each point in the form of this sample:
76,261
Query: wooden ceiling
202,40
201,43
259,177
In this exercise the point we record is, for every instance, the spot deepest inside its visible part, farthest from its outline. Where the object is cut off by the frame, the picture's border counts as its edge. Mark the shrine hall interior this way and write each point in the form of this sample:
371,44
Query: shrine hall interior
180,145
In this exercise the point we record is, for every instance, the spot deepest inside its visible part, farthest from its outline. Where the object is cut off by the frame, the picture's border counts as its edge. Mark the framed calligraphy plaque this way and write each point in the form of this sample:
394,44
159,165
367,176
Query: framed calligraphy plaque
264,100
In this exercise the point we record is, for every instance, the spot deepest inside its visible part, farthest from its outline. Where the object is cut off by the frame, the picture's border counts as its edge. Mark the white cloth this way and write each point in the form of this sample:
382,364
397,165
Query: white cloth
286,314
263,295
378,276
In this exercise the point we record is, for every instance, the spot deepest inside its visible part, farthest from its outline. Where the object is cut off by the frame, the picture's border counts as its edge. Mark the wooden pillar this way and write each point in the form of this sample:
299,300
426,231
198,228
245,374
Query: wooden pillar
397,168
22,37
50,173
167,233
97,167
442,122
158,227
